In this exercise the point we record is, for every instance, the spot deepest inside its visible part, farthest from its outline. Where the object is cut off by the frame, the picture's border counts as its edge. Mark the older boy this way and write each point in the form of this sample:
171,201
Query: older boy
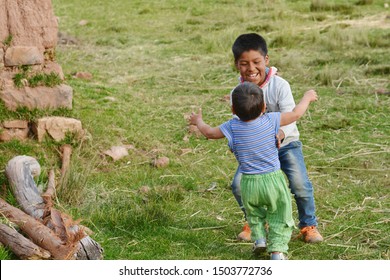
251,59
252,140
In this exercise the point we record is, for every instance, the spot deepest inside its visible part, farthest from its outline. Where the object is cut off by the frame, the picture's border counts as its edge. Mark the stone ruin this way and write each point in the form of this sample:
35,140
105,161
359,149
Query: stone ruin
28,38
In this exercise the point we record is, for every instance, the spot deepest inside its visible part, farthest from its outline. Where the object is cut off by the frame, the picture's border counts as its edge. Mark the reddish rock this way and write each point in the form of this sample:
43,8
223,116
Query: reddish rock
39,97
83,75
15,124
56,127
144,189
14,129
161,162
83,22
30,23
51,66
28,36
117,152
1,57
20,55
4,24
12,134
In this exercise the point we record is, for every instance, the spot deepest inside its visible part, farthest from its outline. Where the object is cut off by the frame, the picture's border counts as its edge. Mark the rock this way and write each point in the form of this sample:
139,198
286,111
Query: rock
160,162
15,124
28,36
39,97
21,55
57,127
65,39
117,152
83,75
51,66
15,129
13,134
30,23
3,26
144,189
83,22
1,58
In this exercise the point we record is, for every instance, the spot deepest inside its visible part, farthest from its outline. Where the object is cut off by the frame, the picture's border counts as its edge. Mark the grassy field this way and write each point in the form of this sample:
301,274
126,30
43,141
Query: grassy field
153,62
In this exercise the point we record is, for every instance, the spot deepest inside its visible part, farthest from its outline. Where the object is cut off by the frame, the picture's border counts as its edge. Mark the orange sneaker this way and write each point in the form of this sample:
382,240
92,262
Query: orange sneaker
245,234
310,234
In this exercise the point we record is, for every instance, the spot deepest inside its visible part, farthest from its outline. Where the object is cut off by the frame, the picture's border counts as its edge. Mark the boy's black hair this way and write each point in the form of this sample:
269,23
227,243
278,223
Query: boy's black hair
248,101
248,42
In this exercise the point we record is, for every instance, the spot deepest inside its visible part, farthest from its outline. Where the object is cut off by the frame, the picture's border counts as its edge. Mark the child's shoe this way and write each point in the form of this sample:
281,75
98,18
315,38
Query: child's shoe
259,246
310,234
245,234
278,256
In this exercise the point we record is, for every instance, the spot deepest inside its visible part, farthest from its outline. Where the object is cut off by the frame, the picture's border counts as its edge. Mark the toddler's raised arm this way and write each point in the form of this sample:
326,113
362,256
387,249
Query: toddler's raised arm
208,131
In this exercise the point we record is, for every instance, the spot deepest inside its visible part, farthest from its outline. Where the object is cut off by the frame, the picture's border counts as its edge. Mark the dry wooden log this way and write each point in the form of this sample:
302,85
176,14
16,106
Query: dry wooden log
20,171
51,185
89,249
67,229
33,204
66,153
20,245
41,235
49,194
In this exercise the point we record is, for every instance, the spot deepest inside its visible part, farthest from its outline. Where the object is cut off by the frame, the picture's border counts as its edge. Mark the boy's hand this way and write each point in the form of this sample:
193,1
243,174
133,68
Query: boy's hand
311,95
279,138
195,118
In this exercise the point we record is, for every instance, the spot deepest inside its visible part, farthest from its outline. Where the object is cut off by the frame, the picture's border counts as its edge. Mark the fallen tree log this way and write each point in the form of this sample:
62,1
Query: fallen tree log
50,192
66,151
20,171
20,245
89,249
40,234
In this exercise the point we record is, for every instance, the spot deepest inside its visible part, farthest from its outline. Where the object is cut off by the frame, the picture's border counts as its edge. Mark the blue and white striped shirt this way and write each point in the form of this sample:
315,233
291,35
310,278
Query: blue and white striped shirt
254,143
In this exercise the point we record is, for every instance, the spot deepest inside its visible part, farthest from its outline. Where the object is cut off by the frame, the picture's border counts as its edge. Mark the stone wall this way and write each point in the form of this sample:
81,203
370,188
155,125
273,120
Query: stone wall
28,37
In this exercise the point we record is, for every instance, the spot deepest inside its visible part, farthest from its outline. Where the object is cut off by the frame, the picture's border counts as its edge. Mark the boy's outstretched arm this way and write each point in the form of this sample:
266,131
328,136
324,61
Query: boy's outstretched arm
208,131
300,109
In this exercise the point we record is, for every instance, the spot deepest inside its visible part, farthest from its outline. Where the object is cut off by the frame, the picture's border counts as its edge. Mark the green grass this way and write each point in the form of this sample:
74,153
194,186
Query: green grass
155,61
26,78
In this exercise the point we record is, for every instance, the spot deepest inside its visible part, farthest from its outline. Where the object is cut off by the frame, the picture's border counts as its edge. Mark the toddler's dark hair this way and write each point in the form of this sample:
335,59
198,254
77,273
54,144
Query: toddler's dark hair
248,42
248,101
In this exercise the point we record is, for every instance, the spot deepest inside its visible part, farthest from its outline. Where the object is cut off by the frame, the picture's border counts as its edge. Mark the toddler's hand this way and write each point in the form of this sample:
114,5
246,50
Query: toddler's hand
311,95
194,118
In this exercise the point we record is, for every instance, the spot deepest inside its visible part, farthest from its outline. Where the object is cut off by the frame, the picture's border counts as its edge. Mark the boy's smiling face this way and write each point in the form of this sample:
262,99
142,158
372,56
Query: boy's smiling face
252,65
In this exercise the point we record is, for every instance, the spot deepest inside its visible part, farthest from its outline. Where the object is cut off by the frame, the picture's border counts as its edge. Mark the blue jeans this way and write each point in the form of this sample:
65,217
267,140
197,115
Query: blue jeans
293,165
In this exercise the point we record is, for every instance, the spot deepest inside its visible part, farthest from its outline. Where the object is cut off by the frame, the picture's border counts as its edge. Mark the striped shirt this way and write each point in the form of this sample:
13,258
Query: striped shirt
254,143
279,98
